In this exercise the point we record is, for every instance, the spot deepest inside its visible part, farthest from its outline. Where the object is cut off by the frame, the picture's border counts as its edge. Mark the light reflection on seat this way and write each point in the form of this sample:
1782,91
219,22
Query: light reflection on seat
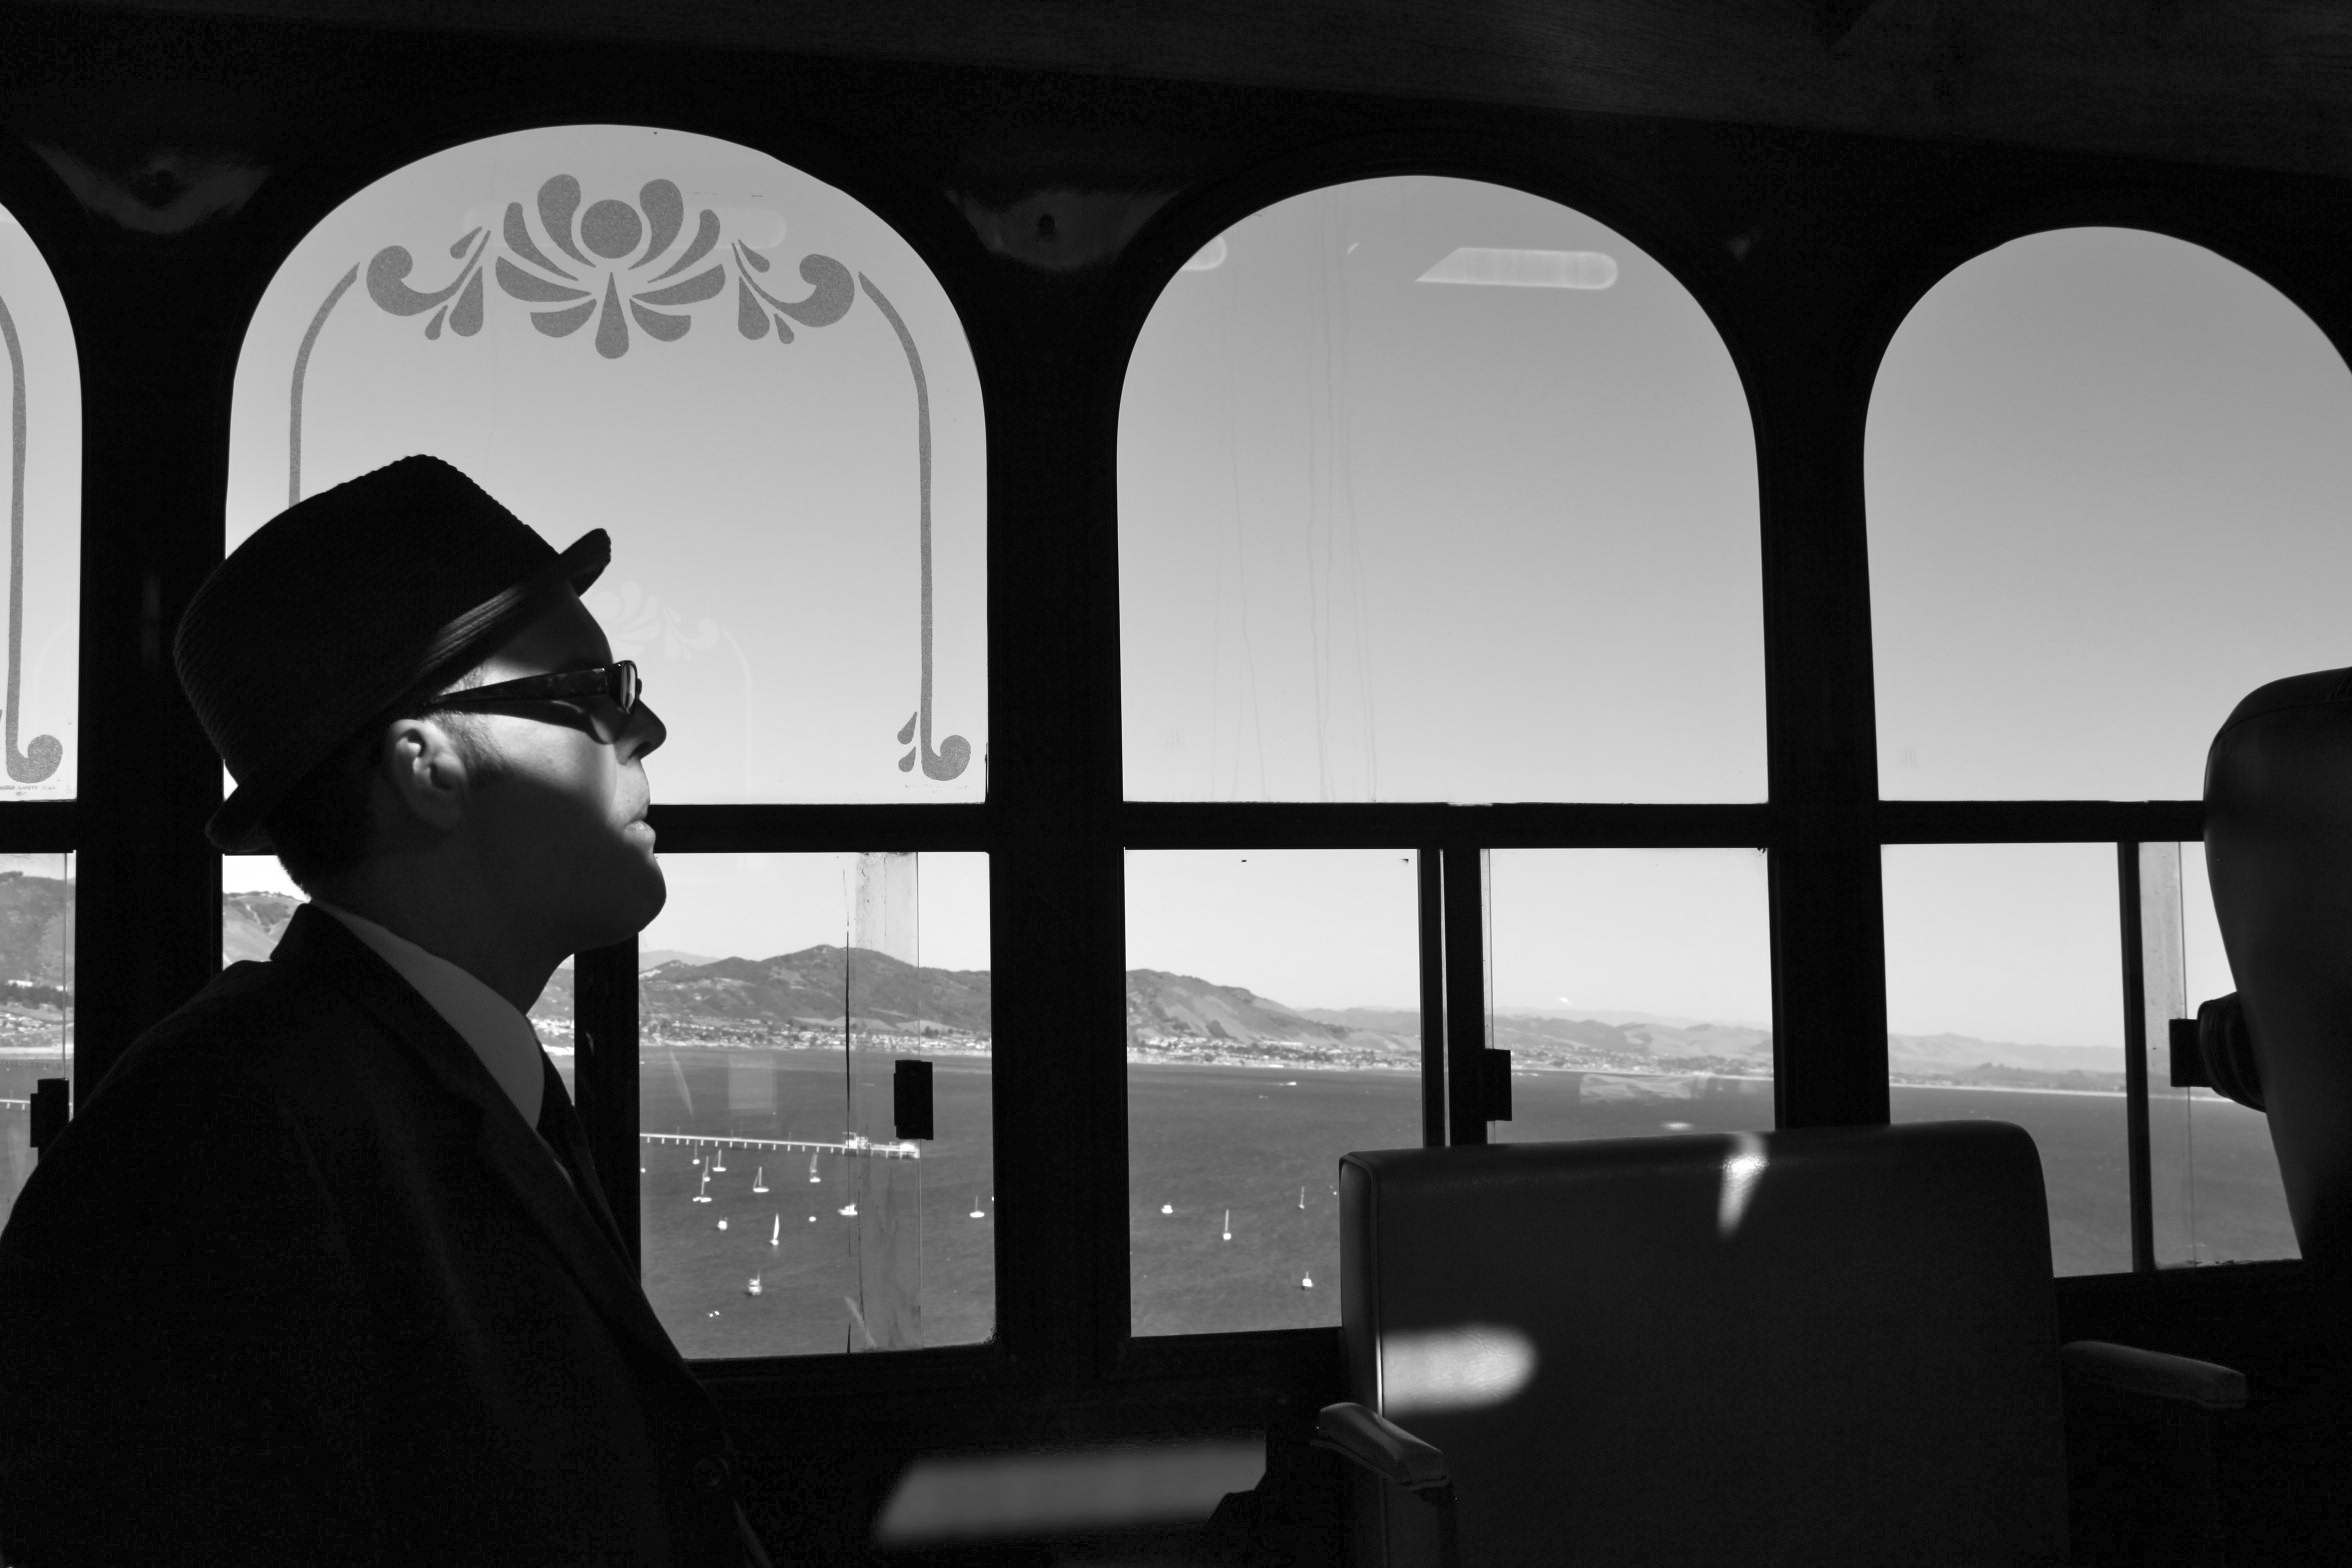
1474,1367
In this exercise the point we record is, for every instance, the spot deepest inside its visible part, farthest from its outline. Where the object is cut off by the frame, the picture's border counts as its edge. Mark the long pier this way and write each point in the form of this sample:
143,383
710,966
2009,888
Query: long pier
860,1148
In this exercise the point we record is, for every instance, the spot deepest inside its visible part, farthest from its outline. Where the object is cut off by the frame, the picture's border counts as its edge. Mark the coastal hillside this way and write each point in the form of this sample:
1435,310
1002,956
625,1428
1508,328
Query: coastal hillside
1170,1017
36,930
1169,1012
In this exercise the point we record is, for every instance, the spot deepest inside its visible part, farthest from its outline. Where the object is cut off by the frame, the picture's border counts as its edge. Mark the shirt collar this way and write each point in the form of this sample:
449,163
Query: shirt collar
502,1037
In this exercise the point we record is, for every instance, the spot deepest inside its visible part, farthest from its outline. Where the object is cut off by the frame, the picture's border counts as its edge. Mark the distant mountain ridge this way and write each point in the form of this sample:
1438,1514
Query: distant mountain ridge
1169,1016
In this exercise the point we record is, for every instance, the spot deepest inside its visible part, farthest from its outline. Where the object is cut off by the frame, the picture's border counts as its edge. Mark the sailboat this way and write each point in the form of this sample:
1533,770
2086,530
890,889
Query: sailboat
704,1195
776,1235
813,1176
753,1288
1302,1197
720,1165
976,1210
1228,1236
759,1179
1306,1282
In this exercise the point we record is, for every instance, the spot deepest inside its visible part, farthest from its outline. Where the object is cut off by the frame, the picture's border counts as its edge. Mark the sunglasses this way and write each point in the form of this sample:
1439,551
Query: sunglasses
617,684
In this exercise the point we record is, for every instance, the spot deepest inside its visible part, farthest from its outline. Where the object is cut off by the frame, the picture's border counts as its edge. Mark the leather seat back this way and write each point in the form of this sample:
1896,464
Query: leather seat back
2278,847
1821,1346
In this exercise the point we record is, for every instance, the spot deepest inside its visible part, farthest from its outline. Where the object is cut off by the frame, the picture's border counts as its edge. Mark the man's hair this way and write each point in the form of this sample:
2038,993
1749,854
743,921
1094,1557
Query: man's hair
325,826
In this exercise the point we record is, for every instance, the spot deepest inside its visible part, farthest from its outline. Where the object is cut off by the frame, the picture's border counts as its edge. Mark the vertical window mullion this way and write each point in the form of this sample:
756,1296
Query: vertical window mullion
1429,869
2135,1059
1465,993
604,1076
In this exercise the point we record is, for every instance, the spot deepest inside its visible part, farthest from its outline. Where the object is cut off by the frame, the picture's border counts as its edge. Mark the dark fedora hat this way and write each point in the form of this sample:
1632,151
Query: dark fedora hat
346,604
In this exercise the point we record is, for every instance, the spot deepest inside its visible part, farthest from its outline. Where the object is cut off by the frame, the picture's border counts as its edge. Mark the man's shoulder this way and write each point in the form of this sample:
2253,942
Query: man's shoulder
279,1038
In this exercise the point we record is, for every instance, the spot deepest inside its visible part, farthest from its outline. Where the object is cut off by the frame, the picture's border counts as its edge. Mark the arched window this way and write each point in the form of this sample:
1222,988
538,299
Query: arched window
40,754
2109,476
760,390
1432,493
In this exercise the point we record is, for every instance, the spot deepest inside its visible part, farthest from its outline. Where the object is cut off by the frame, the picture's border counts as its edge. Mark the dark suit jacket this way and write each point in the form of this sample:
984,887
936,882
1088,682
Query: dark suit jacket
298,1285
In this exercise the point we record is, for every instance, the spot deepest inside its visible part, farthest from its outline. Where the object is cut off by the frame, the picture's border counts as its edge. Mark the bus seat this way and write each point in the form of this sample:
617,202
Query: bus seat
1831,1345
2278,847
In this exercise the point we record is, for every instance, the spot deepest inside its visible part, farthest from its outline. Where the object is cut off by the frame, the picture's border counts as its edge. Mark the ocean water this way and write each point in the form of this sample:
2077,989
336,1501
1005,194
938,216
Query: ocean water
1218,1152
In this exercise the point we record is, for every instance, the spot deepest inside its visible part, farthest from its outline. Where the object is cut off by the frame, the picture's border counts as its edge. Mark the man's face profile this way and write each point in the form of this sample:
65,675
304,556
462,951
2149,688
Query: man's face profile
553,817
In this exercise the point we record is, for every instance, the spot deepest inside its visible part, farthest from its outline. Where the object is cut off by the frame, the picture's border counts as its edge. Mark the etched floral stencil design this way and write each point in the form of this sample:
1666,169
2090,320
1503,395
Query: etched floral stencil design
616,262
634,251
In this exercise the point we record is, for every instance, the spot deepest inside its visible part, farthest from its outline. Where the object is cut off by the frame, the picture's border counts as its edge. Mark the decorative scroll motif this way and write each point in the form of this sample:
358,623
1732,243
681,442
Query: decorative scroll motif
609,241
615,243
47,752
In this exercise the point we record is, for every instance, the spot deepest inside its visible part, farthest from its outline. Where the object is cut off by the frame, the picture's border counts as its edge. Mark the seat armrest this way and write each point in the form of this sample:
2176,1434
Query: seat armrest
2152,1374
1362,1434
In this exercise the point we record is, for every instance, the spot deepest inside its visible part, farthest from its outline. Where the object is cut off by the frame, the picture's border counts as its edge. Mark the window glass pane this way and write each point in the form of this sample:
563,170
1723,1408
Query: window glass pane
1633,989
41,506
1433,490
781,1213
2106,474
749,380
2218,1197
2004,1001
36,1001
742,1065
1239,1105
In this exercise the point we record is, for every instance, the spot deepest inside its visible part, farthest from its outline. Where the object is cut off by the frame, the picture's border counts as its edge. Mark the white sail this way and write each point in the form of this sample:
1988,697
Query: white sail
776,1235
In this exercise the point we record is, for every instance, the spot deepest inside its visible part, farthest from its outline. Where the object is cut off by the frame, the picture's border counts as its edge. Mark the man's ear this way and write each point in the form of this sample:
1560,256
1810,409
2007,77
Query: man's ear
427,772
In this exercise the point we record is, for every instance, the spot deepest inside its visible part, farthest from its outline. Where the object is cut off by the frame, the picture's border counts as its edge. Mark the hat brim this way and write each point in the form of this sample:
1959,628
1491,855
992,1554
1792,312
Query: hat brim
236,827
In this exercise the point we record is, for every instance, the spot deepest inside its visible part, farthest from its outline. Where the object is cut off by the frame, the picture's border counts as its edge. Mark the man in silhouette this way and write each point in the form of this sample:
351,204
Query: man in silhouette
322,1272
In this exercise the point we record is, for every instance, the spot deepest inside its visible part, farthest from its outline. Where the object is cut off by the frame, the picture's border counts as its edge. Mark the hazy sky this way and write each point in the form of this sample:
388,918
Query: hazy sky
1382,537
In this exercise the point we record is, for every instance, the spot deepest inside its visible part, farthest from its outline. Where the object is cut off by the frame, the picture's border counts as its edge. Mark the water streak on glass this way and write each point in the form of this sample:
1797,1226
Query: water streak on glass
1273,1025
742,374
781,1212
752,1065
1381,539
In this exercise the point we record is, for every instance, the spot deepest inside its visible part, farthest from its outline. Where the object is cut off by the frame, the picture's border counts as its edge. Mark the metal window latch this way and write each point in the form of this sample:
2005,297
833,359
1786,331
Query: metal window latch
1494,1084
910,1098
49,1110
2188,1057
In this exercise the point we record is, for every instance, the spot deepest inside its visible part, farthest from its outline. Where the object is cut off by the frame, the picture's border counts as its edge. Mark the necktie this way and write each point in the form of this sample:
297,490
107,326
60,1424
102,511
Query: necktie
560,1131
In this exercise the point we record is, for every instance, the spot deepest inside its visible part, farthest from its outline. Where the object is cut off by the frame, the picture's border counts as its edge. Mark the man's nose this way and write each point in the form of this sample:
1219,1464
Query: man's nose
645,731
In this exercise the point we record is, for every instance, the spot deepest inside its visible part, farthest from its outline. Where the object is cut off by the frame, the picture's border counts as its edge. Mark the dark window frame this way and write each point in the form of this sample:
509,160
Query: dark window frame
1824,270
